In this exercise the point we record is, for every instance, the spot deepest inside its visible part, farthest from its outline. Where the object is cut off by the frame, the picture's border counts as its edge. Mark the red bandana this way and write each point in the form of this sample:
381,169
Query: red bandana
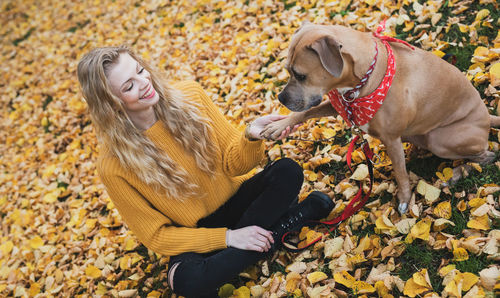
360,111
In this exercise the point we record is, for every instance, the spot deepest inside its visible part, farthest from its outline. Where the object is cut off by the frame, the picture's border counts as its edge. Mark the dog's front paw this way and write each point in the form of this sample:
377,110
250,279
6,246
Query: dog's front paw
402,208
405,199
275,129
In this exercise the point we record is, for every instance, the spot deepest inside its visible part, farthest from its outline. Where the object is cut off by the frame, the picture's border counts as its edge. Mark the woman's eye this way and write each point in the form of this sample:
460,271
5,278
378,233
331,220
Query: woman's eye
130,88
140,71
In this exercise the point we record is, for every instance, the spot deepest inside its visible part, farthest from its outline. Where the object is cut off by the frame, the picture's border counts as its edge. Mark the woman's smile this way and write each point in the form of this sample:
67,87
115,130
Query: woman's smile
149,93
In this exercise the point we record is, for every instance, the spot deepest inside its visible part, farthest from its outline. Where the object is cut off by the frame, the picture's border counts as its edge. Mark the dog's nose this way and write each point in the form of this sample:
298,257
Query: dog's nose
282,97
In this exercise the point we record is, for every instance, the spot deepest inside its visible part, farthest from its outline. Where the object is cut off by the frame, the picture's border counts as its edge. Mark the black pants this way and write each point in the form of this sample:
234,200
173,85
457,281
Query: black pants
261,201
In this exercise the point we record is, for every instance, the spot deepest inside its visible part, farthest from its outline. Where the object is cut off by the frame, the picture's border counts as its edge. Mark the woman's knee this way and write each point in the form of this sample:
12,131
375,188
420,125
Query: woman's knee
287,170
187,278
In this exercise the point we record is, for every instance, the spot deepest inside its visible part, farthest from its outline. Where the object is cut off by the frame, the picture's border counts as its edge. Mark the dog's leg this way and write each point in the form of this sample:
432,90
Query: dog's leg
462,140
396,154
494,121
273,130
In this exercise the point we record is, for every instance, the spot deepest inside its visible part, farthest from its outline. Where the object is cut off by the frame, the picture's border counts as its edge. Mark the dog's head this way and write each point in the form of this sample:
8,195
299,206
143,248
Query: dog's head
315,65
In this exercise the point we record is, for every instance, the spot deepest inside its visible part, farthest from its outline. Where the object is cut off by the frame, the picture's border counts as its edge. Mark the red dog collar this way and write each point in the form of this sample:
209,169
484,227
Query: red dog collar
360,111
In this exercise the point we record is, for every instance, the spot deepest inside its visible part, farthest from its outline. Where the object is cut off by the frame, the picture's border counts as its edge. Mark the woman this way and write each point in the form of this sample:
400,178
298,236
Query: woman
177,172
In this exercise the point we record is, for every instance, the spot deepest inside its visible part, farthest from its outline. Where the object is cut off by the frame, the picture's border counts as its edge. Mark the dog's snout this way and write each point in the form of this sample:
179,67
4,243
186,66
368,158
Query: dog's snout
282,97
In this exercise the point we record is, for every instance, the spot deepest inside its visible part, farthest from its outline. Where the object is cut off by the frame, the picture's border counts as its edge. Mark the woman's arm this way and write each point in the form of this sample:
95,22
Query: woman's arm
239,153
153,228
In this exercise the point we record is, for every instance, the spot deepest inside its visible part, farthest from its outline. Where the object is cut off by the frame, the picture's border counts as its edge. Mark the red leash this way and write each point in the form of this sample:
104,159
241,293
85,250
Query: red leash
354,205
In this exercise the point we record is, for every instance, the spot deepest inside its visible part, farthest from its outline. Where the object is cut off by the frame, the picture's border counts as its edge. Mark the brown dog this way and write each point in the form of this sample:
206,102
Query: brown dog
430,103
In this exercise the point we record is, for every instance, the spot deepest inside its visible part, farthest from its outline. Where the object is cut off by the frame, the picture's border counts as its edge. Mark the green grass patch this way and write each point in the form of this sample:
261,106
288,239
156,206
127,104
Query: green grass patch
288,4
24,37
337,169
362,232
325,269
418,256
463,54
490,174
385,197
425,167
277,267
459,219
474,264
495,225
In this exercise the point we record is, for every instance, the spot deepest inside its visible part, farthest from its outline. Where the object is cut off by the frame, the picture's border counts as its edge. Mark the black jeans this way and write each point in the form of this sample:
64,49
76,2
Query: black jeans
261,201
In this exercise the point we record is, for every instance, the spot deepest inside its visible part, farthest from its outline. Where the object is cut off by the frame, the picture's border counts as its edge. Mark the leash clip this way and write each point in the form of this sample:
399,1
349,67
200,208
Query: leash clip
376,160
345,99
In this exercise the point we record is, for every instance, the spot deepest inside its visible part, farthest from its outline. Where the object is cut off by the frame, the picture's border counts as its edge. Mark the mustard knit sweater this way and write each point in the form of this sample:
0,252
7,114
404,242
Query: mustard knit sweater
166,225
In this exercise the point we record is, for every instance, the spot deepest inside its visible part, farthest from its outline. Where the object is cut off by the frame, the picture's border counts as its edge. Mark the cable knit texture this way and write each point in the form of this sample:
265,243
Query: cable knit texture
164,224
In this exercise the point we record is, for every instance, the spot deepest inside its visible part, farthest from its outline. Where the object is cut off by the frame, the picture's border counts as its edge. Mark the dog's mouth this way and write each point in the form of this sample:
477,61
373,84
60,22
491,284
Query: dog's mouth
303,105
315,100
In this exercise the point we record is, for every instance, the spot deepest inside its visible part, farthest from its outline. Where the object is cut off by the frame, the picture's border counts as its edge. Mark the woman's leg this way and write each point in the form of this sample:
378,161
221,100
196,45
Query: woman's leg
261,201
200,275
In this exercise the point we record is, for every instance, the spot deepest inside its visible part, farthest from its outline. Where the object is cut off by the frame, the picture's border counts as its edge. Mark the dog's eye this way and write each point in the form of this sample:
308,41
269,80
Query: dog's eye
299,77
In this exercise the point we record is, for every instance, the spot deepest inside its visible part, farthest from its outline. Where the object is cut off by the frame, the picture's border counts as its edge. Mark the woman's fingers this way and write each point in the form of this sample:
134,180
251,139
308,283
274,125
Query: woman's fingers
264,237
285,133
296,127
252,238
263,243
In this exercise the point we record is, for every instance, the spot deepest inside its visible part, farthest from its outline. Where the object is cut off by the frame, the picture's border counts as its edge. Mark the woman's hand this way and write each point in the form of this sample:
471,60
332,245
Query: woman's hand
250,238
256,128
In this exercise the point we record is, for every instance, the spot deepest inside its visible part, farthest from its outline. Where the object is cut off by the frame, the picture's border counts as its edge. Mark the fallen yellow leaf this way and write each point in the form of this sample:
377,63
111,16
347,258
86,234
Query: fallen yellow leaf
360,173
93,271
460,254
446,269
34,289
382,289
441,223
317,276
6,247
344,278
421,278
226,290
413,289
361,287
482,14
421,230
430,192
36,242
479,223
452,289
292,280
446,175
469,279
241,292
461,206
495,75
443,210
310,175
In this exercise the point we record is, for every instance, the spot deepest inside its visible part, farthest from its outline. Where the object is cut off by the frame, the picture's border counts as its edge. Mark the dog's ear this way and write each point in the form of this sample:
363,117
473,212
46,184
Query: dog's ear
328,51
304,23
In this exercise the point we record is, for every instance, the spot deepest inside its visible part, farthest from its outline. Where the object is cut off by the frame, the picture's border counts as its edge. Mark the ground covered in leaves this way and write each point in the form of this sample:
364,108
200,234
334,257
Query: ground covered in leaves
61,236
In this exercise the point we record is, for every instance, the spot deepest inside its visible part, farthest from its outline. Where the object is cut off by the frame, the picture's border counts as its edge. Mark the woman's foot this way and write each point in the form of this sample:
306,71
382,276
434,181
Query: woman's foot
316,206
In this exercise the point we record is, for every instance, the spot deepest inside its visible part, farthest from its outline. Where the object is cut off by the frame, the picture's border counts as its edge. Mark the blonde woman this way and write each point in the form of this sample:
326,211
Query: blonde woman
177,172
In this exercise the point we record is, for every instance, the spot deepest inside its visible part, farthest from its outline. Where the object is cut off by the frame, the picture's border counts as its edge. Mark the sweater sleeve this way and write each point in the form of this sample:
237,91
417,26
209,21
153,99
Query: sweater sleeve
239,154
152,228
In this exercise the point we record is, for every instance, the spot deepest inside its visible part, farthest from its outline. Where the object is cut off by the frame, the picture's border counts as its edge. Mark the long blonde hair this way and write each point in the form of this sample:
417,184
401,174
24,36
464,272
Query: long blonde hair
135,151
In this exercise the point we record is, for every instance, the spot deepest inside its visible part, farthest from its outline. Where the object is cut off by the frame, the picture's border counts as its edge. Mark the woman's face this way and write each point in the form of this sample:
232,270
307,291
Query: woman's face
132,84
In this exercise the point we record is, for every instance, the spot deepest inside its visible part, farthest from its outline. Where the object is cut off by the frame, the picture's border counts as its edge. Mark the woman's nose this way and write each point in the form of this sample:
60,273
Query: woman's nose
144,82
